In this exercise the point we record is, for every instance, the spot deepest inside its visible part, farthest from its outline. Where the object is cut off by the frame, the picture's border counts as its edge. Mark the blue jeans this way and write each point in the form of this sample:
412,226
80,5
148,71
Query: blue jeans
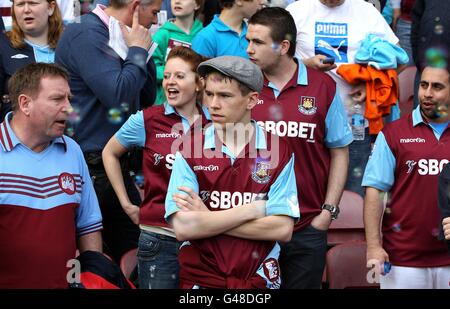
403,33
359,152
158,261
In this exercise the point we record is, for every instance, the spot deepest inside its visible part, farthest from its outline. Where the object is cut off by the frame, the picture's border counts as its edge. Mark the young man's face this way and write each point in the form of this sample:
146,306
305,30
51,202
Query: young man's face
261,49
250,7
48,110
225,102
148,13
434,94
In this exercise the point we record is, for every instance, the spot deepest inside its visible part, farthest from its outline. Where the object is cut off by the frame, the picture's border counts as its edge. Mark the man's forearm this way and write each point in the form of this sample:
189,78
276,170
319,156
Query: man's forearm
337,175
91,241
189,225
373,212
276,228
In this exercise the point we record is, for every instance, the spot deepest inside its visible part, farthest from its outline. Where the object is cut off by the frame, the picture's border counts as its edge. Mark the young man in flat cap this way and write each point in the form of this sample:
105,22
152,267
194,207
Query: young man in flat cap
233,202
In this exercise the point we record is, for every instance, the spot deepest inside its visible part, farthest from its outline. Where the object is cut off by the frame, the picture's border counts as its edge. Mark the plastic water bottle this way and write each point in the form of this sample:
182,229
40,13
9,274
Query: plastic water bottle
358,128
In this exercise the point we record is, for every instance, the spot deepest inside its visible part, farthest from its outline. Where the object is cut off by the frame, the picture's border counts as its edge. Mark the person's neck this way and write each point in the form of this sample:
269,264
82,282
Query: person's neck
236,136
27,134
189,111
231,19
282,73
40,39
119,14
184,23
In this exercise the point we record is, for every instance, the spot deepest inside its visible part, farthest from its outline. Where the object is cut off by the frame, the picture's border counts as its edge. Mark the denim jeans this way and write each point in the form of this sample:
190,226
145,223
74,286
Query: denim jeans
302,260
359,152
158,266
403,33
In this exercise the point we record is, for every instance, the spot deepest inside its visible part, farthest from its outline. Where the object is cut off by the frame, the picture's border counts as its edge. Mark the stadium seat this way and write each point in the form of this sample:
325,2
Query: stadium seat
406,89
346,267
128,262
349,226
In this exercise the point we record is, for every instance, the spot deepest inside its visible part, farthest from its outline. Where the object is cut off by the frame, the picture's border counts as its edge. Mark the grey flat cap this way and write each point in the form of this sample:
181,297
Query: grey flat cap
238,68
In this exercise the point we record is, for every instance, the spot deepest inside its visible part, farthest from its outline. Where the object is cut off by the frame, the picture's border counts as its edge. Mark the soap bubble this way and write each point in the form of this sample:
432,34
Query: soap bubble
396,227
438,29
74,114
436,57
115,116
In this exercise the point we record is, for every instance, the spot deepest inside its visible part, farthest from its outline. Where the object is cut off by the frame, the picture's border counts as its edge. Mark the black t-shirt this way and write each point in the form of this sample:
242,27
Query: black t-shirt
444,196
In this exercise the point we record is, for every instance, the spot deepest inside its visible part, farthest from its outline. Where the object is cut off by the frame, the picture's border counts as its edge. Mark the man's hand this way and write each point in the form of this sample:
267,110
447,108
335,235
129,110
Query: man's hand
189,201
376,255
358,93
316,63
446,227
138,35
132,211
322,221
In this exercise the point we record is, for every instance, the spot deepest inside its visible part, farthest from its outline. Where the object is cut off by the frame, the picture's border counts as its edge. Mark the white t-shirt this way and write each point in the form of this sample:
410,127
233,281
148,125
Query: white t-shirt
67,10
336,32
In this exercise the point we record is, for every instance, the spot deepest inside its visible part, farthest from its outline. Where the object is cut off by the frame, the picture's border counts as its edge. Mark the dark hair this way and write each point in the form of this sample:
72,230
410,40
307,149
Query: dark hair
200,4
229,3
281,25
27,80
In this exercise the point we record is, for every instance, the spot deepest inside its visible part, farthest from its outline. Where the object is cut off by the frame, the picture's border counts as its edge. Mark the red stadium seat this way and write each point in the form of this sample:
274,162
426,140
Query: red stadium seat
128,262
349,226
406,89
346,267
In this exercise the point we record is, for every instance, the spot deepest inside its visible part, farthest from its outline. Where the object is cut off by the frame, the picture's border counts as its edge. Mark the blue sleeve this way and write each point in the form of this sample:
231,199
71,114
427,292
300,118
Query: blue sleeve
182,175
132,132
203,45
380,169
337,130
88,215
283,194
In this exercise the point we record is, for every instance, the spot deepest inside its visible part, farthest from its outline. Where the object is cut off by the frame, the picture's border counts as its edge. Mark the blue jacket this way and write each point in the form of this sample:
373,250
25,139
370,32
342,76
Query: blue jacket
11,59
106,89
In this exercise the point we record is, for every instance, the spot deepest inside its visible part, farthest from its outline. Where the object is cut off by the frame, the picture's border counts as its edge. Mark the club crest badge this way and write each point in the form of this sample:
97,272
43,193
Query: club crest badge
261,172
271,269
67,183
307,105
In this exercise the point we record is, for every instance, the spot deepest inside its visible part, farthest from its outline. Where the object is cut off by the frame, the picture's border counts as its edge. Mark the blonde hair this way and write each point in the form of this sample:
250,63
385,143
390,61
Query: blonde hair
55,29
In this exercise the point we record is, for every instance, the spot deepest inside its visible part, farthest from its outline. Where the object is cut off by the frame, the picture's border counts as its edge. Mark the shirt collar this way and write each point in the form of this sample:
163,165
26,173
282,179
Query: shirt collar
210,137
221,26
169,110
302,76
9,140
100,12
417,117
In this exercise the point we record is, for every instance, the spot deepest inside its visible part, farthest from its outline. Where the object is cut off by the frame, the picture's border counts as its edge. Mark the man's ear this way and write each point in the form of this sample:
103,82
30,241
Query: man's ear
252,100
24,104
284,47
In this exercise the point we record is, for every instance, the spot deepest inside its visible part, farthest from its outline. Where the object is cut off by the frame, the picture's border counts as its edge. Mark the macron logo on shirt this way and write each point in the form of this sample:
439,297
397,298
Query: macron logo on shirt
206,168
412,140
168,135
